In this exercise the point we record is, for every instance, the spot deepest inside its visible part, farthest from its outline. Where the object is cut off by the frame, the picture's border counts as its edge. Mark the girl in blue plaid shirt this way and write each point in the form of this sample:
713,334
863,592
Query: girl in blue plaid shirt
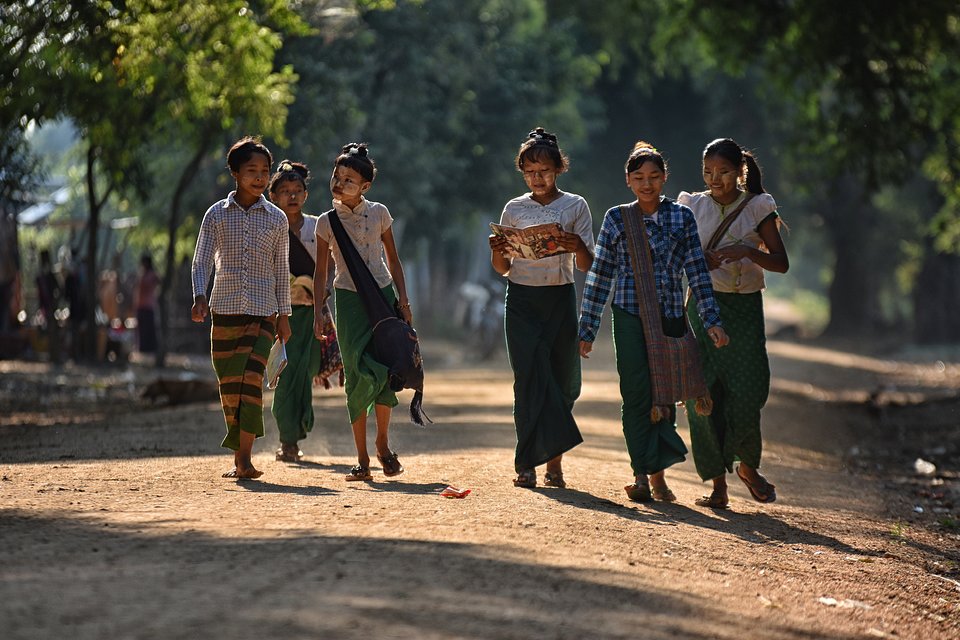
650,433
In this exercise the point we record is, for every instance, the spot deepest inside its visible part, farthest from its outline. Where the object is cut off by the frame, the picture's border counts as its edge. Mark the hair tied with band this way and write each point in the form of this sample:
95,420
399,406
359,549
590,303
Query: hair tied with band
539,136
355,149
285,166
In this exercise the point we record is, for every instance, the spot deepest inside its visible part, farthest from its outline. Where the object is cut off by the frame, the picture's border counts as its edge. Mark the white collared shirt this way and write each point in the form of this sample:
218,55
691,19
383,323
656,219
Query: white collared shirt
741,276
365,225
573,215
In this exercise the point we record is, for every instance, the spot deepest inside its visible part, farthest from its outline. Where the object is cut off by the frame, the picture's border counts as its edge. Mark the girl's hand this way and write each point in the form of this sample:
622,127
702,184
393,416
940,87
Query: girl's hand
719,336
732,253
200,310
569,241
585,348
405,313
318,327
499,244
713,260
283,328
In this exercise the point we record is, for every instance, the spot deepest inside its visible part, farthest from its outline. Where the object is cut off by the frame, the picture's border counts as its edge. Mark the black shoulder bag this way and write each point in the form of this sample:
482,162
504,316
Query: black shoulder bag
394,344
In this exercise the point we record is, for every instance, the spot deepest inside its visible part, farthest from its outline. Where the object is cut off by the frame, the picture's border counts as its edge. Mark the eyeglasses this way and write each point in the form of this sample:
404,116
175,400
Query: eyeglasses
529,174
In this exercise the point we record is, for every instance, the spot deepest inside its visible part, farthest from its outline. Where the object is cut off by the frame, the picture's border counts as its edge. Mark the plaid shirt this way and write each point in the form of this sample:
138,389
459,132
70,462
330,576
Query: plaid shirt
251,252
675,250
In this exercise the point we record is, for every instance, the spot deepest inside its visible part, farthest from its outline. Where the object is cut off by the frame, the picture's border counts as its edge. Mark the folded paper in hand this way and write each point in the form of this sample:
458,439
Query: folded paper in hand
532,243
276,362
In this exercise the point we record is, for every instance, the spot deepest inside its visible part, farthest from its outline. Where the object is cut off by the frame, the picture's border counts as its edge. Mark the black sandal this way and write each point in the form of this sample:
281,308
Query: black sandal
526,479
391,464
639,491
551,479
358,473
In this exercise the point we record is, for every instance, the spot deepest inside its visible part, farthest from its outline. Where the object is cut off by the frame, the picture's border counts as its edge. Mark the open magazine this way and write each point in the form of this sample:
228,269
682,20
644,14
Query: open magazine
531,243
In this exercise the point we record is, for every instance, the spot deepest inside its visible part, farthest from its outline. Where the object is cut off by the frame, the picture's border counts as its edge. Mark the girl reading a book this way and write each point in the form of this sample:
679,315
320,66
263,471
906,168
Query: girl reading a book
541,311
368,226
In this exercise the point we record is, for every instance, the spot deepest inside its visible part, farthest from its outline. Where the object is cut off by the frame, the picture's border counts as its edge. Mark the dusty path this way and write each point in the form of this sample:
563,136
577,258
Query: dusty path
119,526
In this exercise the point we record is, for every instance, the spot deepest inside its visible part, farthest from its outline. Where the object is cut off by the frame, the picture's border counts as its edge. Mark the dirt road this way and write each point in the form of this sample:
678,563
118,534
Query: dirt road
116,524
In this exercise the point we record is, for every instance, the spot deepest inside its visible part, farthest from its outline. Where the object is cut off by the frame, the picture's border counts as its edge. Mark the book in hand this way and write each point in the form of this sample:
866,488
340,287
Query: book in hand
276,362
531,243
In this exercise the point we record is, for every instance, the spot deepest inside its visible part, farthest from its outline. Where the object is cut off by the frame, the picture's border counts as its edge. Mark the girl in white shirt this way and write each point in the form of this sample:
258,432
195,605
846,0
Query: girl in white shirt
739,375
369,226
293,399
541,312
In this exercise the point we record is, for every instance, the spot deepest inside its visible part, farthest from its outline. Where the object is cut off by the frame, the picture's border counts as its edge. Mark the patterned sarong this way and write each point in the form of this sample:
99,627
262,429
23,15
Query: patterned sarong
739,380
676,373
239,347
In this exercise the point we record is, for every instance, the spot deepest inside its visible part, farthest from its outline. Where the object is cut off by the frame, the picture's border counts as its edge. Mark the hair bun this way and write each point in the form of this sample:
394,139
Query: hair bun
643,145
355,149
539,136
289,166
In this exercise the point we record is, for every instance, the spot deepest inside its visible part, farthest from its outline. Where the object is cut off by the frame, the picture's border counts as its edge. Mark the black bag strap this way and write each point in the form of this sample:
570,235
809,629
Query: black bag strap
374,301
301,262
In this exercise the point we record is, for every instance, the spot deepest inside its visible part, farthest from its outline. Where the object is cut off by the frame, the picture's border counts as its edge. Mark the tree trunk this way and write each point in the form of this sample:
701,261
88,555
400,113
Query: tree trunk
936,298
853,291
89,350
169,273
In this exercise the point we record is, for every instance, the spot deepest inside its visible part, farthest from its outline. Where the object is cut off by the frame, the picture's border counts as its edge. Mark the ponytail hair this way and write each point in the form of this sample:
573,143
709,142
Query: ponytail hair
540,146
354,156
289,171
644,152
739,157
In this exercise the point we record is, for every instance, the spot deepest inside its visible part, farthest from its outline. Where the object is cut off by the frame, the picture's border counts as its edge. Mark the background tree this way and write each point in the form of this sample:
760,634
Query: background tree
864,98
210,69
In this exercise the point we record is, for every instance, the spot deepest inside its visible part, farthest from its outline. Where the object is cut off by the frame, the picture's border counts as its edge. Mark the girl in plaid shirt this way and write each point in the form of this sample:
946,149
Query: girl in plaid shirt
245,237
651,436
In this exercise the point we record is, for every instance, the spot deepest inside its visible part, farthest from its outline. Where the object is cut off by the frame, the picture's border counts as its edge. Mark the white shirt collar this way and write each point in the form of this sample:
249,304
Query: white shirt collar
344,210
232,200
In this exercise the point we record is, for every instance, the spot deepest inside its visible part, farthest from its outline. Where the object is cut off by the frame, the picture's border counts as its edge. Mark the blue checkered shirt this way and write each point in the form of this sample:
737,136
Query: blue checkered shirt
676,250
250,249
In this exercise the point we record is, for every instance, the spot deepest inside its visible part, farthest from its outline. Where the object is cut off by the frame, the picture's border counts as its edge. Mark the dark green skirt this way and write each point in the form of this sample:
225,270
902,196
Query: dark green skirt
652,446
365,380
738,376
542,344
293,399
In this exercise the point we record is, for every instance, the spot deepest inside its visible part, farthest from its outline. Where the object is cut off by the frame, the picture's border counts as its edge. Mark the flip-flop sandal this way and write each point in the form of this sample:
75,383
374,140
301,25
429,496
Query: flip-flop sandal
526,479
638,492
761,491
554,480
713,501
358,473
286,456
663,494
391,464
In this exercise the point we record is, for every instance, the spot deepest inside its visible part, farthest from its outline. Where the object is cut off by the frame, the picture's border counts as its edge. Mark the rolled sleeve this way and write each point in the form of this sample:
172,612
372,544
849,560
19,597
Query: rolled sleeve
203,255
